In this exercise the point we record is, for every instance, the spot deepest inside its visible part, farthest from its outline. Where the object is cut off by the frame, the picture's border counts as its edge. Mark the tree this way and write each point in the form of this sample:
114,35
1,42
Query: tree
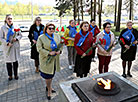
100,3
119,15
95,10
130,7
81,3
115,12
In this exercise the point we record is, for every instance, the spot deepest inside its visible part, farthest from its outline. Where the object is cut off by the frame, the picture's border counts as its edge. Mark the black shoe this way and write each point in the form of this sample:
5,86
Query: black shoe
124,75
16,77
53,91
129,75
10,78
49,97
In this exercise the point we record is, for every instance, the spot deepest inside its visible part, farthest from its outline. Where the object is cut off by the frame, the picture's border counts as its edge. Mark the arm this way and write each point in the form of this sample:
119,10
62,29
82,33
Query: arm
2,39
30,36
40,48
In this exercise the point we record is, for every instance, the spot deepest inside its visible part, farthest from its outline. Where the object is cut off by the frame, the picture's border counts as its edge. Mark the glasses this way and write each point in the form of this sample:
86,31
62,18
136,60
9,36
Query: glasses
108,27
50,28
129,25
9,18
86,26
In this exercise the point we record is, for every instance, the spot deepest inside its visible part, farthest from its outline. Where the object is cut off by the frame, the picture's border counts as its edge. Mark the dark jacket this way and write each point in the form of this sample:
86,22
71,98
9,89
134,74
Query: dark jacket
34,53
130,54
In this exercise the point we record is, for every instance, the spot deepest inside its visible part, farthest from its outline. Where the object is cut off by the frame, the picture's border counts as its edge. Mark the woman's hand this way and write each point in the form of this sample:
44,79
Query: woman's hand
9,44
34,41
57,53
135,42
126,46
52,53
14,39
84,54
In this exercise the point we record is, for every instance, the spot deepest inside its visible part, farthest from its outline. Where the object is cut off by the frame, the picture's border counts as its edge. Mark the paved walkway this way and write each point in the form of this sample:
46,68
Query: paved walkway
31,87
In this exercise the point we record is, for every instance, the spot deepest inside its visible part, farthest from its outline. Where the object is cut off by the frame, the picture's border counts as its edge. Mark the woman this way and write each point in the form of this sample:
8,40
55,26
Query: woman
104,56
83,41
70,35
128,36
95,30
35,31
11,46
46,45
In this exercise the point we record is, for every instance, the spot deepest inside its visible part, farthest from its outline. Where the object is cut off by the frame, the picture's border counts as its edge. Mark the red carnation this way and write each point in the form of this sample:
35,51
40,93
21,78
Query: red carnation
104,42
57,29
122,40
62,29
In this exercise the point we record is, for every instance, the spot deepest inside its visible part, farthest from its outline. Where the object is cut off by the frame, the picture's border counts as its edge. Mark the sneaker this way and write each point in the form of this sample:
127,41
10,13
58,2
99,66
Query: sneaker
70,67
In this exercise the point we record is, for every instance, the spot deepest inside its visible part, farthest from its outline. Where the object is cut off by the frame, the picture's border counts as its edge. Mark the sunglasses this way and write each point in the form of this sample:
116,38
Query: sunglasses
50,28
38,20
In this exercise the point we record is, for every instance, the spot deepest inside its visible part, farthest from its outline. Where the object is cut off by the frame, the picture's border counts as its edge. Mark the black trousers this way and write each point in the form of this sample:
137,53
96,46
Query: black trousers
12,66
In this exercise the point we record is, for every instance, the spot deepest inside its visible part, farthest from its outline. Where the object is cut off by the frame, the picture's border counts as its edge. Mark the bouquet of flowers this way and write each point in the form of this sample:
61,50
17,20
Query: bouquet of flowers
101,41
63,41
15,33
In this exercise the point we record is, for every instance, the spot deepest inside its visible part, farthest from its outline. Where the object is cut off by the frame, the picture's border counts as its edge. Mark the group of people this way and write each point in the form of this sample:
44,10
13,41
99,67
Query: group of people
44,42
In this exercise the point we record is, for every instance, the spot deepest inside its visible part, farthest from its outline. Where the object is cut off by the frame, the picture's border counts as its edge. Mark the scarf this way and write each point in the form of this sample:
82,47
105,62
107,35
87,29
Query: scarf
128,35
53,44
10,33
82,39
36,35
108,39
93,28
72,31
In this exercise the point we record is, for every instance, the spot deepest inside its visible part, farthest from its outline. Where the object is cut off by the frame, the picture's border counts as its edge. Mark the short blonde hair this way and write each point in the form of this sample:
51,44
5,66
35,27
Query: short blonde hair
129,21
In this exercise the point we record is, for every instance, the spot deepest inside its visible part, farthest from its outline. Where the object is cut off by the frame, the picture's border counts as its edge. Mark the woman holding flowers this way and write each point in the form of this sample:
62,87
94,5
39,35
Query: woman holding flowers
46,45
83,41
104,56
128,37
35,31
70,33
95,30
11,47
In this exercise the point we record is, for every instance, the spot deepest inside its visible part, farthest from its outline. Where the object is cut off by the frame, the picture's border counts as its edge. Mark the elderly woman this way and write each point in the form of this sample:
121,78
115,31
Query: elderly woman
128,37
70,33
11,46
83,41
35,31
46,45
95,30
104,56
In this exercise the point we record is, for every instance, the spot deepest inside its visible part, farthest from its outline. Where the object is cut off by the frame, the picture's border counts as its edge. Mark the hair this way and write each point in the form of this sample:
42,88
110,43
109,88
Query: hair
105,24
36,19
84,22
92,20
47,25
70,21
129,21
6,18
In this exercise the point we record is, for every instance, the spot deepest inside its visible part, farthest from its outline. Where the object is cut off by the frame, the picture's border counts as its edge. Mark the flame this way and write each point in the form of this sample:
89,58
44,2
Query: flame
107,83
